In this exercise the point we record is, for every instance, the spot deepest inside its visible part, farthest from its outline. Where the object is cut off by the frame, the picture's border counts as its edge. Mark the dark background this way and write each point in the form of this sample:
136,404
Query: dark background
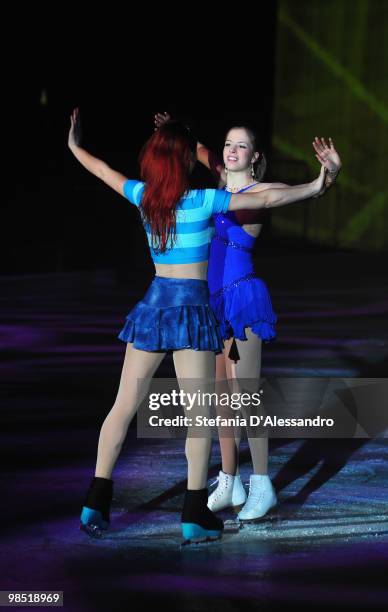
56,216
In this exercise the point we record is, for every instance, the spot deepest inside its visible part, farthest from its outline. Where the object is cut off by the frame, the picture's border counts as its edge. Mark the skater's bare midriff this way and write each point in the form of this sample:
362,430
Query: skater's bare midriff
196,270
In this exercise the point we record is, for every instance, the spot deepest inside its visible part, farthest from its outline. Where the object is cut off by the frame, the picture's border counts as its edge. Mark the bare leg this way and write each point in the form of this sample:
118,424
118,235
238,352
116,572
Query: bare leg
229,440
196,365
138,366
249,367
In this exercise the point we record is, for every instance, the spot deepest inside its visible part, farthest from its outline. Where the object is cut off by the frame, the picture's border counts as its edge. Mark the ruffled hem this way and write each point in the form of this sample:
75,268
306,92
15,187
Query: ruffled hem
172,328
248,304
265,331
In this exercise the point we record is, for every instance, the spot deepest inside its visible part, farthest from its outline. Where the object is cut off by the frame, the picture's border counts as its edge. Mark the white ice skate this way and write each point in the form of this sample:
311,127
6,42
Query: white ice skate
261,498
229,493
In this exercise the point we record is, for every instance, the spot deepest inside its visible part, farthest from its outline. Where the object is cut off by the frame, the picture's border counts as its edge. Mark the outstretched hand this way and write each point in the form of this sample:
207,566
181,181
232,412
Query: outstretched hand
74,138
160,119
327,155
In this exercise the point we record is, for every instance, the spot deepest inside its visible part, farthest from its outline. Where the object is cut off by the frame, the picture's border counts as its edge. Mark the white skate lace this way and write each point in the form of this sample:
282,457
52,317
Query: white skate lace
218,492
214,482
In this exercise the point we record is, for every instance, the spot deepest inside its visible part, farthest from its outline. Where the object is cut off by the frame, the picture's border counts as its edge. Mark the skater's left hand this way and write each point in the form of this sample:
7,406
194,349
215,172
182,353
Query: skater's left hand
74,138
327,155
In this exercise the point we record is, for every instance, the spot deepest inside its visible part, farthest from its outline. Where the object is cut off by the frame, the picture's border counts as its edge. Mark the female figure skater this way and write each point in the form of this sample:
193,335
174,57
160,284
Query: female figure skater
242,304
174,313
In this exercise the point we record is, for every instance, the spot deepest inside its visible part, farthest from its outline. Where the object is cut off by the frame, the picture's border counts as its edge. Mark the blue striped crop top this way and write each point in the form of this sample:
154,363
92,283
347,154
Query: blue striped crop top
194,224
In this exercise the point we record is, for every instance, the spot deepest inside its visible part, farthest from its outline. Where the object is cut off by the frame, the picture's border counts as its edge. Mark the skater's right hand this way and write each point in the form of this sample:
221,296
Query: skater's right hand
160,119
327,155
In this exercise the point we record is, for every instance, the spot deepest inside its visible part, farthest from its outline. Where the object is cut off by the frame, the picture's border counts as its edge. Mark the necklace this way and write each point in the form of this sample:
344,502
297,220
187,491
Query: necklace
239,189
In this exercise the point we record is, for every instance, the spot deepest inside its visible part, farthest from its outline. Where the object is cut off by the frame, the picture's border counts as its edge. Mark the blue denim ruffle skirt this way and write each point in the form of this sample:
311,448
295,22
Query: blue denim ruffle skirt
174,314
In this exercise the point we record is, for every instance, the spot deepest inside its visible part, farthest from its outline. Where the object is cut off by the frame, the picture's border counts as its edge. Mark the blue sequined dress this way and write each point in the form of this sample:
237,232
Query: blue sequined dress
238,297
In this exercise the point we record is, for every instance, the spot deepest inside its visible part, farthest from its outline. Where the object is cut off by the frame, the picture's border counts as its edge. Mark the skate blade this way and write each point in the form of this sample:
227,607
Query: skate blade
199,541
232,526
93,531
258,519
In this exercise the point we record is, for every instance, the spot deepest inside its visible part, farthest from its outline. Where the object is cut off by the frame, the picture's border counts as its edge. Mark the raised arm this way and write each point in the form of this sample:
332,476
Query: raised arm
203,155
211,161
328,157
276,197
96,166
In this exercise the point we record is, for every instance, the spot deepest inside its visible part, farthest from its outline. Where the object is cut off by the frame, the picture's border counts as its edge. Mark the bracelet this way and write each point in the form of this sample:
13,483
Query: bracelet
334,172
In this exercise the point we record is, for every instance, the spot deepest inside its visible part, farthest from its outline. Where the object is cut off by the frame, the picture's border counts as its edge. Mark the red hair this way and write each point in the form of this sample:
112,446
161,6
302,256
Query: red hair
165,162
